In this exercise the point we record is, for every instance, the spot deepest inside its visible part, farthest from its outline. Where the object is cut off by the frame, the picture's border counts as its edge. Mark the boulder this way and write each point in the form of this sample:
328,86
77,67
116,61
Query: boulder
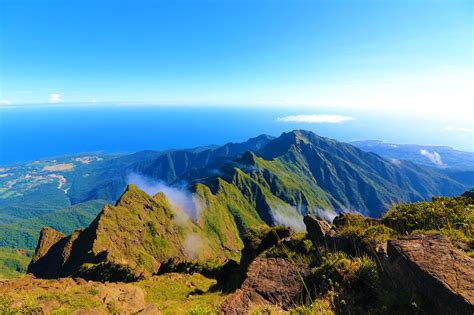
270,281
52,258
429,268
317,229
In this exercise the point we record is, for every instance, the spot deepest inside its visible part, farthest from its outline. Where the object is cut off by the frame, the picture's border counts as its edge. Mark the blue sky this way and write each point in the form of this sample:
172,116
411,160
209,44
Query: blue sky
404,56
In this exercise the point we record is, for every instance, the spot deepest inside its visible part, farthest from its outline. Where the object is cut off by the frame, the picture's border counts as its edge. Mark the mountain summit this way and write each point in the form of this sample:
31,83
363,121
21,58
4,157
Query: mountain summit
326,173
352,179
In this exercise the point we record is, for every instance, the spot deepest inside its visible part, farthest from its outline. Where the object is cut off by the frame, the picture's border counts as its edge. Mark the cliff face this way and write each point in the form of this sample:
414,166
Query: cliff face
133,238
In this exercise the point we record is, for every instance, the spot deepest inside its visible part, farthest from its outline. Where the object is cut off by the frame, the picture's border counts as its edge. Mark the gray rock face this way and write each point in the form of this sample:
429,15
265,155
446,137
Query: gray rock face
270,281
430,268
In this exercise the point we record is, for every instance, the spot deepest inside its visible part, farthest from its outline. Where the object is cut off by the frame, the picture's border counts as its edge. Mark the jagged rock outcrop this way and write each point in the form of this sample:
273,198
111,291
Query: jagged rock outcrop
270,281
132,239
430,268
48,237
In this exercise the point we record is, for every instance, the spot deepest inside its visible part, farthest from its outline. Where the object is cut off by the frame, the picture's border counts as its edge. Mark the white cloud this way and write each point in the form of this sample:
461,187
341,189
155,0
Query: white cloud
395,162
5,102
315,119
55,97
434,157
179,197
457,129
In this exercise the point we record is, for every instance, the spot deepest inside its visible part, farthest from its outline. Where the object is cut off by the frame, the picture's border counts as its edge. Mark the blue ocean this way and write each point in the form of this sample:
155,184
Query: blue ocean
32,132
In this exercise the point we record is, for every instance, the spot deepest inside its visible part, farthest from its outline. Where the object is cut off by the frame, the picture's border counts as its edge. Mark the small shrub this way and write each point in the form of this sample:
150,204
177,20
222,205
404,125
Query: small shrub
354,281
453,217
203,310
322,306
365,230
93,291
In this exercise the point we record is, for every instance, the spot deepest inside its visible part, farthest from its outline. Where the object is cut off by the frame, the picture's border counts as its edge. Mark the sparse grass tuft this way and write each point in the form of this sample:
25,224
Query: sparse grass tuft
176,293
368,231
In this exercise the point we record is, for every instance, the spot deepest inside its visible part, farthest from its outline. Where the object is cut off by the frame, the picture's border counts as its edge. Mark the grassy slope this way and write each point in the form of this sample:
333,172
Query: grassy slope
171,293
182,293
351,178
142,232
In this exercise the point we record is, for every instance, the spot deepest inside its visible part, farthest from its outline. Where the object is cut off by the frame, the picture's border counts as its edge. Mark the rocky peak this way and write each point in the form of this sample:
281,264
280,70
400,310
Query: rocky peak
48,237
132,194
130,241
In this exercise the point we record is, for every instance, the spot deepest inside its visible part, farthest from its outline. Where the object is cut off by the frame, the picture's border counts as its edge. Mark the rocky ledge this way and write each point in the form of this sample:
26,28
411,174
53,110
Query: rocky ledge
428,266
270,281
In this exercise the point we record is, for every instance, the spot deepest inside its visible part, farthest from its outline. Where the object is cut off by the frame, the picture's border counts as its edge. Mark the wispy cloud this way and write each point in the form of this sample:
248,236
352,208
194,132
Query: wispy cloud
315,119
434,157
5,102
179,197
457,129
55,97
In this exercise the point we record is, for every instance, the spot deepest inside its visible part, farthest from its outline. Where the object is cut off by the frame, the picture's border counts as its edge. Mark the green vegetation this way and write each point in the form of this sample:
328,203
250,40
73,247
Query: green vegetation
321,306
341,284
48,297
182,293
359,228
351,282
33,202
25,233
297,248
453,217
295,174
28,307
13,262
337,283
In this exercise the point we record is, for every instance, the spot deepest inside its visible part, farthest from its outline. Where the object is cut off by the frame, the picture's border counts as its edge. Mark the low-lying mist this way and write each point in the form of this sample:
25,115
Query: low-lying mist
178,196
